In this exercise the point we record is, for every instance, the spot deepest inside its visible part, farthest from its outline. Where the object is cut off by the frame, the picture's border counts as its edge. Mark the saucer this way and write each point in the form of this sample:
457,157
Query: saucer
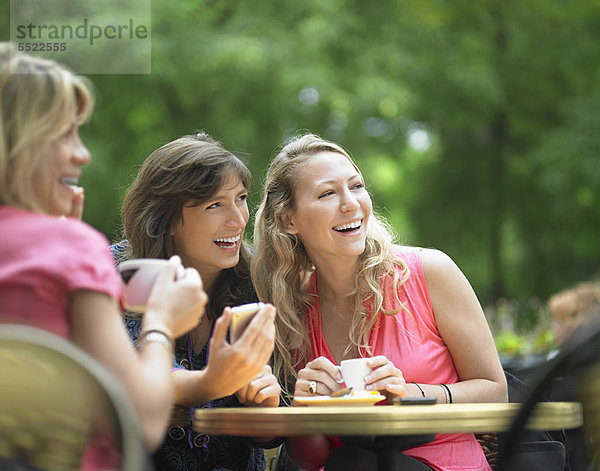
357,398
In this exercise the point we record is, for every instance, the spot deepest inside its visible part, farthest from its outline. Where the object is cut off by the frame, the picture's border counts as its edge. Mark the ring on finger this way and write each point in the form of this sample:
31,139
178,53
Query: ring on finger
312,387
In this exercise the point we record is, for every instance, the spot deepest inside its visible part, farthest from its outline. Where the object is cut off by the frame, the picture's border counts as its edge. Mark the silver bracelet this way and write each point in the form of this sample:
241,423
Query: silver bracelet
156,336
447,393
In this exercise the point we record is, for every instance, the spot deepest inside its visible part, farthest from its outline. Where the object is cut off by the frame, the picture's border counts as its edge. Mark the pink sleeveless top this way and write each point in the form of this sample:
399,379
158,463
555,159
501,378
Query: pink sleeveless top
410,340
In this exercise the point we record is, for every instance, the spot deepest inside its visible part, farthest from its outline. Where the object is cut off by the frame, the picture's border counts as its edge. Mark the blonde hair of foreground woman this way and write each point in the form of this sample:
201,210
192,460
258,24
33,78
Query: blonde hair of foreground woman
38,99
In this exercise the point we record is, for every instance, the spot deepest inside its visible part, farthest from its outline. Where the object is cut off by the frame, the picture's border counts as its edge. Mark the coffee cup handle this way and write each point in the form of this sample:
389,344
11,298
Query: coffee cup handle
176,260
341,381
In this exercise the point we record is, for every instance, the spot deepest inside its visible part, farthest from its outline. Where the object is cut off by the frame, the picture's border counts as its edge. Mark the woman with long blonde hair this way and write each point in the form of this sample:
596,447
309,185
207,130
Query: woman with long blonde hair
56,272
343,289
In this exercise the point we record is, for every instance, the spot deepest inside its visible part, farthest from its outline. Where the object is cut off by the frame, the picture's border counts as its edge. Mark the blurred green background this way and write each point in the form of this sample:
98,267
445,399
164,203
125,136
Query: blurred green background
476,124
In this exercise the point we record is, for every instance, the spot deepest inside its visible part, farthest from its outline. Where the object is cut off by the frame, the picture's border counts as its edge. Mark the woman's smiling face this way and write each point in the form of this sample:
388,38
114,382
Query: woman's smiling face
59,171
332,207
209,235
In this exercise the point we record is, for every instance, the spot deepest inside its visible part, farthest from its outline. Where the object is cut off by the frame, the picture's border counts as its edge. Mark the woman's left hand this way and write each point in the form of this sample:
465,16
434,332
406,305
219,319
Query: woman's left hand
385,377
263,390
78,201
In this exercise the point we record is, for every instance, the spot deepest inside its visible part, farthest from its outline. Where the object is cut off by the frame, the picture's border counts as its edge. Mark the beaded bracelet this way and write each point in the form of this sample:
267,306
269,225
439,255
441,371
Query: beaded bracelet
420,388
447,393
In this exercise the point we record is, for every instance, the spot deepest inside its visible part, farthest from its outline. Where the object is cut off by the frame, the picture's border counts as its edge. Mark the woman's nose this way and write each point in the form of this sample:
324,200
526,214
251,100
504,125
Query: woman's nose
237,218
349,202
81,154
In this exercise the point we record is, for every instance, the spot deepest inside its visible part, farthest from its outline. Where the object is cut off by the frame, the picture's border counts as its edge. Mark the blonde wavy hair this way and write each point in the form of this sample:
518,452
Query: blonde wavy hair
38,99
281,267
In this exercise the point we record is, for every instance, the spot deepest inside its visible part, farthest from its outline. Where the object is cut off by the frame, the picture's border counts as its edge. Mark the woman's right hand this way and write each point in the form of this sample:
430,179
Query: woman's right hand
262,391
323,373
178,304
232,366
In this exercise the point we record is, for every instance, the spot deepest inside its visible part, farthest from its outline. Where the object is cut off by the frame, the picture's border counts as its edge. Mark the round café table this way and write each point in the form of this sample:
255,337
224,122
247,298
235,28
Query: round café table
421,422
382,420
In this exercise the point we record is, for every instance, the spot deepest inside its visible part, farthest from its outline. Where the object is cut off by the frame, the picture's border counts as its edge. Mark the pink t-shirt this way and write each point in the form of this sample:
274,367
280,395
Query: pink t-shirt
45,259
411,341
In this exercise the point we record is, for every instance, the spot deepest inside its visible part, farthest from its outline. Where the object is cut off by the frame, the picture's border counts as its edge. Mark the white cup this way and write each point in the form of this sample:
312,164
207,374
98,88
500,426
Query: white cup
354,372
138,277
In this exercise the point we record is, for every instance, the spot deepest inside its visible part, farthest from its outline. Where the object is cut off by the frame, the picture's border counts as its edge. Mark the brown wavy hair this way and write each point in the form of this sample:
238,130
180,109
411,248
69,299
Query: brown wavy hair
191,168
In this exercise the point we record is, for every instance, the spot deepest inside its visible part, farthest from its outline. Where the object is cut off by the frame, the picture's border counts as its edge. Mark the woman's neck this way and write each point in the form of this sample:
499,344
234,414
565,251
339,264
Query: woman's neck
209,277
208,281
336,281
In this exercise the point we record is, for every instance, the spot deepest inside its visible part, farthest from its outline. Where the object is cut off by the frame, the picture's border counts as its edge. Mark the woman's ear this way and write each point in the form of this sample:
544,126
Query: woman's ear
287,221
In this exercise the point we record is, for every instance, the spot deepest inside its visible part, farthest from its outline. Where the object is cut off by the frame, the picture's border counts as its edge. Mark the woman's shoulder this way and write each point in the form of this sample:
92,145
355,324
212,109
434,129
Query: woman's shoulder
80,236
432,263
435,259
23,221
427,256
72,233
438,267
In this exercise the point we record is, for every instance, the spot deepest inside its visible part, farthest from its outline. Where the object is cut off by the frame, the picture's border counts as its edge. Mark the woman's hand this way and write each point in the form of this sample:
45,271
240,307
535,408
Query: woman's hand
263,390
178,304
385,377
78,202
323,375
233,366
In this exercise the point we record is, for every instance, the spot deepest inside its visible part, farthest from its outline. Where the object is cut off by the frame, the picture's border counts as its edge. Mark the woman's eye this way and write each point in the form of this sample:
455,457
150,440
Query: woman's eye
243,197
326,193
213,206
358,186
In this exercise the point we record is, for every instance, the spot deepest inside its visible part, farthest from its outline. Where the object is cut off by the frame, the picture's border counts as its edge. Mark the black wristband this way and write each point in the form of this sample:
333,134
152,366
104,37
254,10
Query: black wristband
420,388
445,386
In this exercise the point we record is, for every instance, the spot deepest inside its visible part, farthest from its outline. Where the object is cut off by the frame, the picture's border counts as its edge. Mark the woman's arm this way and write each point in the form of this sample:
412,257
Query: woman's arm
230,367
463,327
97,327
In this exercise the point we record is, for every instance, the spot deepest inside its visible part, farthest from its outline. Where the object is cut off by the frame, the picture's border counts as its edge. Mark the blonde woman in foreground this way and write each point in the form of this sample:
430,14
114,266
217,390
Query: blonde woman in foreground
56,272
343,290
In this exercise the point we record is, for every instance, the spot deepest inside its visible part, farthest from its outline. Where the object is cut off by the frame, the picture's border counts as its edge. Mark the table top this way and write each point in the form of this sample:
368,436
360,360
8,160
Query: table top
382,420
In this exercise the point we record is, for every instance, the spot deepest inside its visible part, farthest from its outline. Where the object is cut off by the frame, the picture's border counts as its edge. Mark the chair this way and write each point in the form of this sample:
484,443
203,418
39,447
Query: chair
579,361
56,401
532,445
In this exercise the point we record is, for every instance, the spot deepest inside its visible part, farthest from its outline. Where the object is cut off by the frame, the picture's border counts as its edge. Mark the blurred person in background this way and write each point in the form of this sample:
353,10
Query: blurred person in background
572,308
189,199
56,272
577,307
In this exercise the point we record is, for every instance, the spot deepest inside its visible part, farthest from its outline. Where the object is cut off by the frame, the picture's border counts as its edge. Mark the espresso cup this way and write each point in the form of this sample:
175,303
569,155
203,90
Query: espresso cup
138,277
354,372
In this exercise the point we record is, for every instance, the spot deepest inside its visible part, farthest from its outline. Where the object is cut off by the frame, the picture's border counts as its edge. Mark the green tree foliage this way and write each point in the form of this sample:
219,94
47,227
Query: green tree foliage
475,123
501,83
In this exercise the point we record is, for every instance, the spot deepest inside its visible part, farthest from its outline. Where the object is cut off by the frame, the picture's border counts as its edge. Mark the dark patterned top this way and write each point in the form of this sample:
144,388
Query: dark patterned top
184,449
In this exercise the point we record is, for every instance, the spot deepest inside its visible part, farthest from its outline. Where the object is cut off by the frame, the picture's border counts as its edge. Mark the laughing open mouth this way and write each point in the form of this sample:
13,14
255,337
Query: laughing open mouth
227,242
348,227
70,181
